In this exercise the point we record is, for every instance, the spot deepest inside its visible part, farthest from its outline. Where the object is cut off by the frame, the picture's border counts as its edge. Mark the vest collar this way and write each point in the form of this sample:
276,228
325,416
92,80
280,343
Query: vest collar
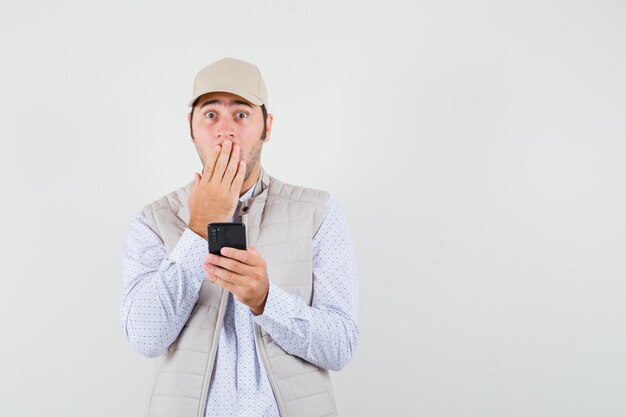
258,198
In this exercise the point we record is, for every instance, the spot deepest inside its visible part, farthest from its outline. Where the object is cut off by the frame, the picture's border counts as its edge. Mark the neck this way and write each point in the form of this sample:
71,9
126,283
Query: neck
250,181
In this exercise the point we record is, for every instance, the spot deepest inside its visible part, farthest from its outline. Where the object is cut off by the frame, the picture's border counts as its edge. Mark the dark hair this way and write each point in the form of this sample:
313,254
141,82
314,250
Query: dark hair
263,111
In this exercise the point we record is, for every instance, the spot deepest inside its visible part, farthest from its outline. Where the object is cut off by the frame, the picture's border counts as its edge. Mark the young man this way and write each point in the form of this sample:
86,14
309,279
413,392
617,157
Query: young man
251,332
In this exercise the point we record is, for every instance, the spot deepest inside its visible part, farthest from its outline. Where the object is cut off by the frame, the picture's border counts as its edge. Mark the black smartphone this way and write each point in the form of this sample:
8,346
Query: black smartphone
232,235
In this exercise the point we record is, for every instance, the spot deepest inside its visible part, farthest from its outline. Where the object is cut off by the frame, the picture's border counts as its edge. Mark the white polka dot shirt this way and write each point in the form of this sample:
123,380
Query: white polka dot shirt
159,293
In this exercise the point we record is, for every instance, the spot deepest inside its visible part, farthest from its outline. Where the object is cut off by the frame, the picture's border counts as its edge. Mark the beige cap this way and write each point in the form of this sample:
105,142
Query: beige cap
231,75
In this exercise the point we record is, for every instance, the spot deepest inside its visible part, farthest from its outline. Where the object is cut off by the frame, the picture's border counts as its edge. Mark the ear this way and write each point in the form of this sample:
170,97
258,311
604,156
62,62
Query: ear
190,128
268,128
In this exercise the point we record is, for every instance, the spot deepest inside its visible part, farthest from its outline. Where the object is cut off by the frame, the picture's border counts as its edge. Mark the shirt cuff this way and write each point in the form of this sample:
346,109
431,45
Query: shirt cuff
189,254
281,308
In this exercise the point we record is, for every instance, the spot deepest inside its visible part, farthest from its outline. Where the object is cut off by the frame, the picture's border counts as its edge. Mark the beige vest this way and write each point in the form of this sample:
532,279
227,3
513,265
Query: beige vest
281,220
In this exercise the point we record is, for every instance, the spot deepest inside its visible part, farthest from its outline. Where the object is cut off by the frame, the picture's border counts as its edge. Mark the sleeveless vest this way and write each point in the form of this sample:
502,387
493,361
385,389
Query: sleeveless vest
281,220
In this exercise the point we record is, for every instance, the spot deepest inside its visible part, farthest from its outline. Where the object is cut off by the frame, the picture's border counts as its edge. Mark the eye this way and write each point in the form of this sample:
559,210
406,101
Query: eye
241,115
210,115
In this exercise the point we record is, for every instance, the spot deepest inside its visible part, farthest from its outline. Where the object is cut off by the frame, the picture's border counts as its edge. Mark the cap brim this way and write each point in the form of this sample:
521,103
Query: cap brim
225,89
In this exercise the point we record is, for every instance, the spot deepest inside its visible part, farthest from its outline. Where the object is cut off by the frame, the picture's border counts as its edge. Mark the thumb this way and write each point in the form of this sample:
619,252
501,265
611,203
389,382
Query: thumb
196,178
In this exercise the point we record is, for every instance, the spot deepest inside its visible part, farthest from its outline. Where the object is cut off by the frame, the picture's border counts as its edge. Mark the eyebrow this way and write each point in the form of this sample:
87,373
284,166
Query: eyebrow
216,101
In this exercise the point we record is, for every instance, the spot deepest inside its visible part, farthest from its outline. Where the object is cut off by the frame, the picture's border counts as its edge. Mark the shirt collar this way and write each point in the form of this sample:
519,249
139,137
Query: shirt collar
255,190
248,193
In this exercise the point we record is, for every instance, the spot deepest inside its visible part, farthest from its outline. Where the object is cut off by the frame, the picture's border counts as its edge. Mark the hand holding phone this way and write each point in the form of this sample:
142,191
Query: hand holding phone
244,274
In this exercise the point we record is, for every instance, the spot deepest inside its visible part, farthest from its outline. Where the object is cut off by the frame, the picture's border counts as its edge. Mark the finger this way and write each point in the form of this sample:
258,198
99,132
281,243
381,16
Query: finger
222,161
223,284
228,276
209,166
244,256
213,273
238,180
233,163
208,272
228,264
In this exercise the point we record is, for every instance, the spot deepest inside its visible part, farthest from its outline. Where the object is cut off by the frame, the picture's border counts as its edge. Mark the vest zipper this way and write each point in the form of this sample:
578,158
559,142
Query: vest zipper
211,363
266,363
258,338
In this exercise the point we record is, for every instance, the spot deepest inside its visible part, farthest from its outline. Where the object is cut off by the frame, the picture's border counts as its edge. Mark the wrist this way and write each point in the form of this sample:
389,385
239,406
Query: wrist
198,229
261,308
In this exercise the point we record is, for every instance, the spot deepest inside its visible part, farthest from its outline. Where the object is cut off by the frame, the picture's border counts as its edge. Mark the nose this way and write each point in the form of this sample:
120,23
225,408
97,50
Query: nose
225,128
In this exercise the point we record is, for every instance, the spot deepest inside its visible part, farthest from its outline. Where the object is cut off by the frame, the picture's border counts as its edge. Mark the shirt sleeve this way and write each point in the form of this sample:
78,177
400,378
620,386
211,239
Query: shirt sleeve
159,292
325,333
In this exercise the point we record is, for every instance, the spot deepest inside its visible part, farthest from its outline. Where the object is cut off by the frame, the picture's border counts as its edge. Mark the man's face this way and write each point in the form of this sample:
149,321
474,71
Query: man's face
220,116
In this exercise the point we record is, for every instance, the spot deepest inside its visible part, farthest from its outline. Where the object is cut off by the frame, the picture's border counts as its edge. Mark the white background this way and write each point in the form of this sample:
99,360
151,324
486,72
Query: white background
476,149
